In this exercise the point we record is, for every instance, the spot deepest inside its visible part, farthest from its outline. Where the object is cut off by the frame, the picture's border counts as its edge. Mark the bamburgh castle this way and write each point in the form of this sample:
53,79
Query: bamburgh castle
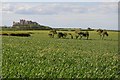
24,22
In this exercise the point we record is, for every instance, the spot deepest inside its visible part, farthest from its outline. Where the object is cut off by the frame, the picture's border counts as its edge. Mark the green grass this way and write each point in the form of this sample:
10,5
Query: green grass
41,56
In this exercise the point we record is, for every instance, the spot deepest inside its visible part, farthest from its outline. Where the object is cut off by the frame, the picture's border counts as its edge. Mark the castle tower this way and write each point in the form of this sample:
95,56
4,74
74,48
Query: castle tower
13,23
22,22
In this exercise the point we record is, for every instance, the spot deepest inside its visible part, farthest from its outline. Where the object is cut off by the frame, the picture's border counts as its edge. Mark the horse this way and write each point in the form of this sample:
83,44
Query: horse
52,33
102,33
82,34
63,35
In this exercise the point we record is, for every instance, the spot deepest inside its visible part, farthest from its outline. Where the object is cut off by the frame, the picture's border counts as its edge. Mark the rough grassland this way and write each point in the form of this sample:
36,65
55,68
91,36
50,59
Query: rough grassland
42,56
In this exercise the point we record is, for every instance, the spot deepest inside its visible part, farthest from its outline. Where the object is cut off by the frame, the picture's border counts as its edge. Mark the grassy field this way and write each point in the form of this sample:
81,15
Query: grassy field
40,56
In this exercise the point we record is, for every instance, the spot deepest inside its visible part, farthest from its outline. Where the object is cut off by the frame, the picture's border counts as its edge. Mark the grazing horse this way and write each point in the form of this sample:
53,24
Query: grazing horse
82,34
52,33
62,35
102,33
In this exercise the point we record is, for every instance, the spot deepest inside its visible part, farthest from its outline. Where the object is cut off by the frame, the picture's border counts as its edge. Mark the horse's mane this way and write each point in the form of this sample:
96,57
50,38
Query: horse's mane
100,30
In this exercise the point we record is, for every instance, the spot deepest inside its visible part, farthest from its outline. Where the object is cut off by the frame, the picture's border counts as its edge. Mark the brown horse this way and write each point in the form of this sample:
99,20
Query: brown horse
82,34
102,33
62,35
52,33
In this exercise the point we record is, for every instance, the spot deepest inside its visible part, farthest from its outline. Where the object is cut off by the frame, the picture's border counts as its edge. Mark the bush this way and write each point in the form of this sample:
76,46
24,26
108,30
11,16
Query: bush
20,34
5,34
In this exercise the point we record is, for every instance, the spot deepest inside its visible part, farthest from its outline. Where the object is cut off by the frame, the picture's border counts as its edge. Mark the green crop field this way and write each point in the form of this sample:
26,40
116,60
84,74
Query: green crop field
40,56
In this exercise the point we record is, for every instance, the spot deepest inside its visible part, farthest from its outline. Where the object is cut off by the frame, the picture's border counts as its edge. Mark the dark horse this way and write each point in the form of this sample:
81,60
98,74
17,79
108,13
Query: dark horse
102,33
82,34
62,35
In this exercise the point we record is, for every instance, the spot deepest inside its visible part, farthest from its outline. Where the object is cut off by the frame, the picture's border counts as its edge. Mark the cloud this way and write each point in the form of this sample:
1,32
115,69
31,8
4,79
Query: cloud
7,7
90,14
58,8
60,1
108,8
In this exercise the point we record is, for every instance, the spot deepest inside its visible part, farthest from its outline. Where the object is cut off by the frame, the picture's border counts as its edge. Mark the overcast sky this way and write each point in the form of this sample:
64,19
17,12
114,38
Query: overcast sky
62,14
60,0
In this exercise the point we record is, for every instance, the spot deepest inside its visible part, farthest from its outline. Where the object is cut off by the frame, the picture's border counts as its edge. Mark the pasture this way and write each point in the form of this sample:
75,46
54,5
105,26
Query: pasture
40,56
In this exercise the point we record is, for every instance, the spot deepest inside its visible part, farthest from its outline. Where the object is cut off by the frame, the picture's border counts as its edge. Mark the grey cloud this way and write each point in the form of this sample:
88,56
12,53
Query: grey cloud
7,7
58,8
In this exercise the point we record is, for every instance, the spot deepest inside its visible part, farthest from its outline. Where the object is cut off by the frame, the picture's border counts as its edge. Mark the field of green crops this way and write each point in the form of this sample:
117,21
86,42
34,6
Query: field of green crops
40,56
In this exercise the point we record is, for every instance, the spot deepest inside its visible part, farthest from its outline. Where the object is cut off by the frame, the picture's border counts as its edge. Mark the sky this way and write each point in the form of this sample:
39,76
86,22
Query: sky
59,0
62,14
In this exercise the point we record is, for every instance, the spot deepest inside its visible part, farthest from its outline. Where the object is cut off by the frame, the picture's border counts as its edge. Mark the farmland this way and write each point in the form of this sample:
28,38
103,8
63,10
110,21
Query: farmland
40,56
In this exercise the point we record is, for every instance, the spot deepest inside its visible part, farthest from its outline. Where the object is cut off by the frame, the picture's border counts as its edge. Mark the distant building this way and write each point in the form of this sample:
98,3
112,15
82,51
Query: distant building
29,25
24,22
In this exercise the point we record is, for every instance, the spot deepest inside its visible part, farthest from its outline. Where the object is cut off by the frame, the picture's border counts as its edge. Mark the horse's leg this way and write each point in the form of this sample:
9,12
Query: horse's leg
87,37
100,36
103,37
71,37
80,37
53,35
76,36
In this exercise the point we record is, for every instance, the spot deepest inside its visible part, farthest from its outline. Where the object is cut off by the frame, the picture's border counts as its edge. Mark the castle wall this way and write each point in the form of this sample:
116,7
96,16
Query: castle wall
24,22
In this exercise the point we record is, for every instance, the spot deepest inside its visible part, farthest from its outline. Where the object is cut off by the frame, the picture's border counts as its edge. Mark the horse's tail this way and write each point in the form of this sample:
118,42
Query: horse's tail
106,34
